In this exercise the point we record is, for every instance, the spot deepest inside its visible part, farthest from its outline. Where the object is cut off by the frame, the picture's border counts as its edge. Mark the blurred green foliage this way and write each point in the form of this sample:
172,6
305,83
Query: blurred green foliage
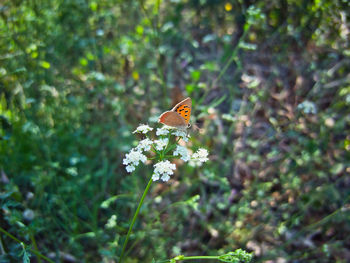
271,93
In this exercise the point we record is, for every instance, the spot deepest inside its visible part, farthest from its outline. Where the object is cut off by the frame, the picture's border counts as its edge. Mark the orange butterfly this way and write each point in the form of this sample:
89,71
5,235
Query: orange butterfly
179,116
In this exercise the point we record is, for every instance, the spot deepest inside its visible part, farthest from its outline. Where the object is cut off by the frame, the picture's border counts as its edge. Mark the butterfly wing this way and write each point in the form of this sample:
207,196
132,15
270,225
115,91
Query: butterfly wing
173,119
183,108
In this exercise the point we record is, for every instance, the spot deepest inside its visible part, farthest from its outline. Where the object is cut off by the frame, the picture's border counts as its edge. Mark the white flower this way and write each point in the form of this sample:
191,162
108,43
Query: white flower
165,177
163,131
130,168
163,169
155,177
132,159
144,145
308,107
183,152
182,134
28,214
143,128
199,157
112,222
161,143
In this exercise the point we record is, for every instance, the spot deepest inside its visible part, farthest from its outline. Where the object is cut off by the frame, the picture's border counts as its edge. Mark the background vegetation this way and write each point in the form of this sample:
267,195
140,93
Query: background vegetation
270,85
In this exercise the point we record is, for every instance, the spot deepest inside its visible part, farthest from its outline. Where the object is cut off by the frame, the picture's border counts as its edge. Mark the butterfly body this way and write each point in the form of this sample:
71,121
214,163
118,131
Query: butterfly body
179,116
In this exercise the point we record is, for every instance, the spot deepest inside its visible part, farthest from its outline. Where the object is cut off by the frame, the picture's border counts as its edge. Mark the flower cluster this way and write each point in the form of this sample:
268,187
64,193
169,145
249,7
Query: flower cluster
161,143
166,130
308,107
163,148
199,157
143,128
132,159
112,222
183,152
163,169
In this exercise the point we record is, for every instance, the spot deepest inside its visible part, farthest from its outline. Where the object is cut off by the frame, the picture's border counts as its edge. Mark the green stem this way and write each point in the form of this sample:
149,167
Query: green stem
134,219
32,238
164,151
181,258
200,257
232,58
37,253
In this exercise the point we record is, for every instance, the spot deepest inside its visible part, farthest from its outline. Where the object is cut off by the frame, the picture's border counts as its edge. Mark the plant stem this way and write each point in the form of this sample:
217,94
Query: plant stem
37,253
180,258
32,238
200,257
134,219
232,58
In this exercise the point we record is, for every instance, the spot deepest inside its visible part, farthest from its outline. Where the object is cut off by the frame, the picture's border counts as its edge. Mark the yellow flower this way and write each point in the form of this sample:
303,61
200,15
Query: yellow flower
228,7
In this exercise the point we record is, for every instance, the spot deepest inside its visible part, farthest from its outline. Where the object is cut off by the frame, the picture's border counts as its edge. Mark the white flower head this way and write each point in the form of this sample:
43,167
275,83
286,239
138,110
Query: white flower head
28,214
183,152
308,107
144,145
199,157
164,130
181,133
130,168
163,170
132,159
112,222
143,128
161,143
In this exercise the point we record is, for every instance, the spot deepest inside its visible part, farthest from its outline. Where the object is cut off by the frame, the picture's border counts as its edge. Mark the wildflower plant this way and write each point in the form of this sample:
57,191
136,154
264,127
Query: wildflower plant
159,152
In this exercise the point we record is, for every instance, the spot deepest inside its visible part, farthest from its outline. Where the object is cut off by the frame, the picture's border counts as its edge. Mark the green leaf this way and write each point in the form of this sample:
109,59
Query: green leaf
195,75
93,6
45,64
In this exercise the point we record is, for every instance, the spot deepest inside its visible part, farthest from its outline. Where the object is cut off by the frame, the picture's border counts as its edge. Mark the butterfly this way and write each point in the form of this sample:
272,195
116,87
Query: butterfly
179,116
